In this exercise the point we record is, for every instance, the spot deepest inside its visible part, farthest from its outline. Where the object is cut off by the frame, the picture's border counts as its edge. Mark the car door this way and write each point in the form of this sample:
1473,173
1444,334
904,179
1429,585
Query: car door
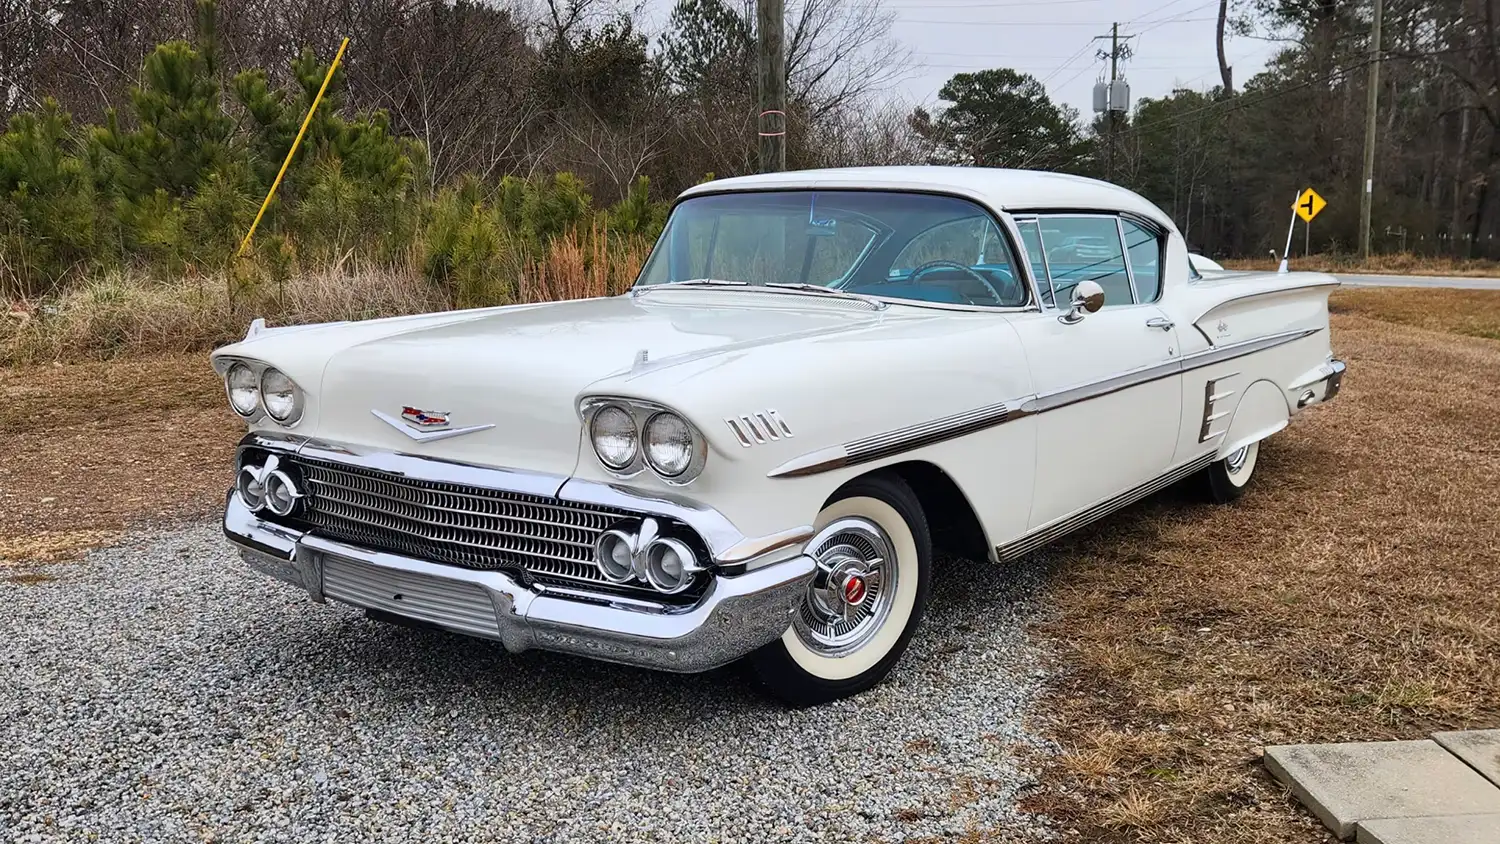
1108,396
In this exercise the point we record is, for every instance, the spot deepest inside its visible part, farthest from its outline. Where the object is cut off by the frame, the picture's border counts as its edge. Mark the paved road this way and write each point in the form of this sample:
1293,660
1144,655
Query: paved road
1419,281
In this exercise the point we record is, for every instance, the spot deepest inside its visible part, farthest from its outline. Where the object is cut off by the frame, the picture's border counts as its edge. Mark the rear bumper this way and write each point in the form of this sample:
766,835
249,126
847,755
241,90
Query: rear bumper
1321,385
735,616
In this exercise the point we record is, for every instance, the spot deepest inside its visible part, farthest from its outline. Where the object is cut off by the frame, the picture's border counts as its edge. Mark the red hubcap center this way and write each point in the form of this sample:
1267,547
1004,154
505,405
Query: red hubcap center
854,589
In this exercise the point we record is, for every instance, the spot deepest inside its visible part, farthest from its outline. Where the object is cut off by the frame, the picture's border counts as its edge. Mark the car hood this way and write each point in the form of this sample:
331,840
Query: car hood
522,370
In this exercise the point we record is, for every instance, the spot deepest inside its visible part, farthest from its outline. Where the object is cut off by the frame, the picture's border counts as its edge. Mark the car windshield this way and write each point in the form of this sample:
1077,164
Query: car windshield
905,246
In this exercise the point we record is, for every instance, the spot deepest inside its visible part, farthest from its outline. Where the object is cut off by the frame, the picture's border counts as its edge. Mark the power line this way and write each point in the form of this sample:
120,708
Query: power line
1028,23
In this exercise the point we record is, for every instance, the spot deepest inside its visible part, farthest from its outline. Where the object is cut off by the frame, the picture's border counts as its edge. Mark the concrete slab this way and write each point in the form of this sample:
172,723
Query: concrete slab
1344,784
1480,749
1454,829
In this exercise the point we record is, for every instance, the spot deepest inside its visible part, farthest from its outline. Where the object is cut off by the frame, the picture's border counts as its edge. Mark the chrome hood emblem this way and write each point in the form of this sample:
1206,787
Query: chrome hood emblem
426,425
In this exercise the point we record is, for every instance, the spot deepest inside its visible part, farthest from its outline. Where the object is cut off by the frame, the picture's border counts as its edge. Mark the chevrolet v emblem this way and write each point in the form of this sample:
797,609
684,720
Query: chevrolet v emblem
436,432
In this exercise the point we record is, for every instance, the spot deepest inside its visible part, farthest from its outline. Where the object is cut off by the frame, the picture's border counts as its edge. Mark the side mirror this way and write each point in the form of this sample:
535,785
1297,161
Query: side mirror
1088,297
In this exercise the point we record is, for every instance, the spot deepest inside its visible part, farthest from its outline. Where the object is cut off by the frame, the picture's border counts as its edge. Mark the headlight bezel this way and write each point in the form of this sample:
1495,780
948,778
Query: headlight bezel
258,370
641,412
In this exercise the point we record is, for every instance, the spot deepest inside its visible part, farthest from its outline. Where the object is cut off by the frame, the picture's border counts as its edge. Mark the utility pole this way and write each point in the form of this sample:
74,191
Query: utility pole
771,31
1114,66
1367,194
1113,97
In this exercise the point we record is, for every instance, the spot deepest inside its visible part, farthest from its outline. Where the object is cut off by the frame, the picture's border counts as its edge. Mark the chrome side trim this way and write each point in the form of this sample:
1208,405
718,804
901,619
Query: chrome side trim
1047,533
922,434
878,446
1211,396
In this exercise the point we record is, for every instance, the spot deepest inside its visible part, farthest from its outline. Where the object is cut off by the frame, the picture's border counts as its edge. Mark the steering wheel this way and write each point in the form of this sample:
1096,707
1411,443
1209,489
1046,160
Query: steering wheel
954,265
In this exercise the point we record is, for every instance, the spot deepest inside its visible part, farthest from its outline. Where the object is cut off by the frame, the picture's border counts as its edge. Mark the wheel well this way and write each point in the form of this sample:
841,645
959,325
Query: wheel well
950,517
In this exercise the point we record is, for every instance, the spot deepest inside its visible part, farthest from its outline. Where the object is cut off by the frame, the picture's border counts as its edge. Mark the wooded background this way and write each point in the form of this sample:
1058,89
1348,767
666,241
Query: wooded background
114,129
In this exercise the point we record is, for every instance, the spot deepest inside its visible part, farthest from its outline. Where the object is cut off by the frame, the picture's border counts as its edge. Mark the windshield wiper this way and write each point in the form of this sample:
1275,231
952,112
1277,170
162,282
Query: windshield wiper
803,287
691,282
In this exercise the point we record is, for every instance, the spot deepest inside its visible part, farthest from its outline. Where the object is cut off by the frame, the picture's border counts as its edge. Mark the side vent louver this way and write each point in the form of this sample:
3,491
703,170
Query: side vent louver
1212,395
758,427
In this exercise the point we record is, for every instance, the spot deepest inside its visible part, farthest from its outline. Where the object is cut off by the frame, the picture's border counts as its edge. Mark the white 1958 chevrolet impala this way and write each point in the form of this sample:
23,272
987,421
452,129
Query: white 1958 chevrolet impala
818,378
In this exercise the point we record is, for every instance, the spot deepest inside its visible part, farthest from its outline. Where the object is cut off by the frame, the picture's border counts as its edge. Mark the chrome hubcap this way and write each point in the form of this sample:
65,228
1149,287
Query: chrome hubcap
852,592
1236,461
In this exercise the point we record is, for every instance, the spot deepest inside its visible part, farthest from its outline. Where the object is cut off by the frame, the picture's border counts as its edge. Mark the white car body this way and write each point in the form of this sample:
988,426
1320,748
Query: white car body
1015,425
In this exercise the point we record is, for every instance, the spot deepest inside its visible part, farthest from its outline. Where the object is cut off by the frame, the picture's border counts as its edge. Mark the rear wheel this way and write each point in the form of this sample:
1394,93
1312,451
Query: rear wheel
1227,478
863,604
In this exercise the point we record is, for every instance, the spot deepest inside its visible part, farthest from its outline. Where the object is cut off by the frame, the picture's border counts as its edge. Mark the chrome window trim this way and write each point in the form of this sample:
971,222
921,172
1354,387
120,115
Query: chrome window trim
1051,303
1135,293
912,437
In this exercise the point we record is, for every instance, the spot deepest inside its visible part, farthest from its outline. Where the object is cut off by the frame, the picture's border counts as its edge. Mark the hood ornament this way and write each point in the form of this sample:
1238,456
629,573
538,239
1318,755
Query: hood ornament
426,425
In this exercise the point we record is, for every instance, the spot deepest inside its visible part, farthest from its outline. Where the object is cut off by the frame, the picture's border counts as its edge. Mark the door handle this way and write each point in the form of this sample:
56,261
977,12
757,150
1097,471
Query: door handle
1160,322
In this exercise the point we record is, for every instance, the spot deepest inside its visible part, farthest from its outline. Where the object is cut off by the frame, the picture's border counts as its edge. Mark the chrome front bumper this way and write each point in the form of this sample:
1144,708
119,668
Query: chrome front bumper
736,615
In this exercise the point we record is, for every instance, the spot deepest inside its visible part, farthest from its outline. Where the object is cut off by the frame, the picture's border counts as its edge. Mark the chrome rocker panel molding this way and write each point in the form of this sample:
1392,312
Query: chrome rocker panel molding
735,616
901,440
1068,524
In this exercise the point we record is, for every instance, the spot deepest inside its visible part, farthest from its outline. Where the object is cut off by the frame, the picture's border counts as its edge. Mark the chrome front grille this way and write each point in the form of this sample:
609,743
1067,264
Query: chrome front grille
472,527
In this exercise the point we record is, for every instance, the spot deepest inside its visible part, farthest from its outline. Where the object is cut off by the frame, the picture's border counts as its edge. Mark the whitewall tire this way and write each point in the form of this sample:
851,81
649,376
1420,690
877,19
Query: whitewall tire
1228,478
864,603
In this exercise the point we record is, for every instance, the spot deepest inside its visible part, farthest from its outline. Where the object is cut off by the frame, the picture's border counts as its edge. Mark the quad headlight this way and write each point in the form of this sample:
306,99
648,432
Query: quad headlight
257,390
281,398
243,388
669,444
614,435
629,435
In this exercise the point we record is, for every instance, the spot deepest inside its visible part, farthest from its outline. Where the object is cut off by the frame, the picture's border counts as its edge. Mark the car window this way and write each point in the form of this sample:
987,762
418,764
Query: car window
762,248
1144,247
962,241
895,245
1082,248
1031,240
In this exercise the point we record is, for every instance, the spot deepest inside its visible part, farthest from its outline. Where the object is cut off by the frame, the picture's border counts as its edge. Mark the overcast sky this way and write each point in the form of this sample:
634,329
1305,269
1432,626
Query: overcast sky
1050,39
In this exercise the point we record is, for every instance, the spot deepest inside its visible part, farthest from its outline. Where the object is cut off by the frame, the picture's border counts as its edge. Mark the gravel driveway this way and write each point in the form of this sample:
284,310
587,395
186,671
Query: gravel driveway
159,691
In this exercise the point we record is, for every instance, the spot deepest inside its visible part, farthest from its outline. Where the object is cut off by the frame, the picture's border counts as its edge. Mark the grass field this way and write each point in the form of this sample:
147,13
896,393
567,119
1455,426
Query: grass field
1403,263
1350,595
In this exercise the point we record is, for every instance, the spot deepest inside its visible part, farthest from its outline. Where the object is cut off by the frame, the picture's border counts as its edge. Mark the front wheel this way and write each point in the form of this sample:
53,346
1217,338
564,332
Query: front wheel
1227,478
864,602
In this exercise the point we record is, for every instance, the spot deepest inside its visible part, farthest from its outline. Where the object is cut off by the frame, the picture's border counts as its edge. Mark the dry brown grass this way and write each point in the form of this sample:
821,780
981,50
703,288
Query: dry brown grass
1472,312
131,314
1400,263
87,450
1350,595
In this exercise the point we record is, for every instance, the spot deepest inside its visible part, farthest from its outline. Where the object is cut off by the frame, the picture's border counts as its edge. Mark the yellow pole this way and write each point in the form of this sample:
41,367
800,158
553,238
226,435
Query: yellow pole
293,151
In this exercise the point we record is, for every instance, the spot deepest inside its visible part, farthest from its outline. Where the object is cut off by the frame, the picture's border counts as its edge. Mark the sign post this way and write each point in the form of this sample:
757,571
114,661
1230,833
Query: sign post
1307,206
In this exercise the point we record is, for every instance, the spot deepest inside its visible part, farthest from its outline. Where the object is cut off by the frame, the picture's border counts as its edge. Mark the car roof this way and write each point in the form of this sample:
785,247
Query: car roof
1009,190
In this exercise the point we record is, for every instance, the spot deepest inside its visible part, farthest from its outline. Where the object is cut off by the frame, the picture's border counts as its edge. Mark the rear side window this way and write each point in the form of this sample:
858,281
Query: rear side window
1144,247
